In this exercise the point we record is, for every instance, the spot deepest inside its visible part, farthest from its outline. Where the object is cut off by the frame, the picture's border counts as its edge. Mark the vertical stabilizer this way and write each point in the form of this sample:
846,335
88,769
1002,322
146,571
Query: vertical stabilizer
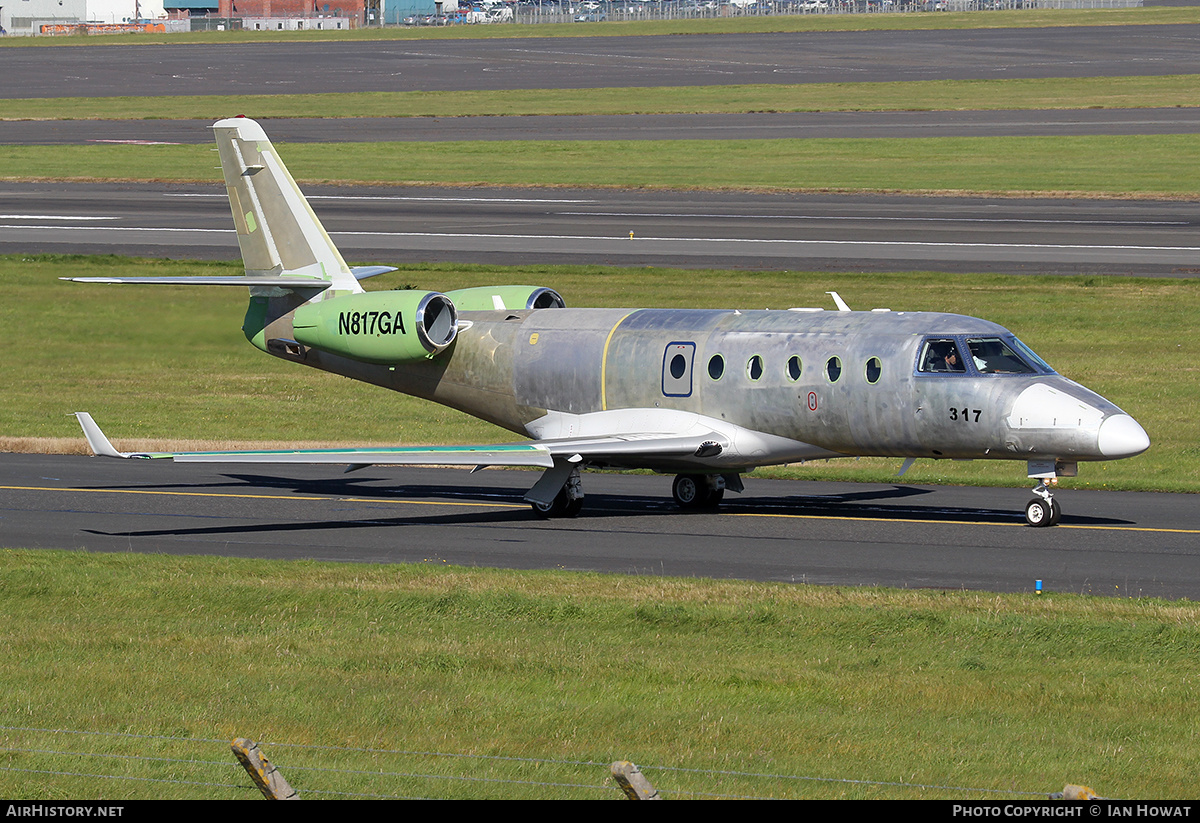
276,228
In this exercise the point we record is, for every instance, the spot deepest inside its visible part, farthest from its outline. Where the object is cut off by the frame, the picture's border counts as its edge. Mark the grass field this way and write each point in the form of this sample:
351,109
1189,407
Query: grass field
1142,166
154,364
764,690
925,95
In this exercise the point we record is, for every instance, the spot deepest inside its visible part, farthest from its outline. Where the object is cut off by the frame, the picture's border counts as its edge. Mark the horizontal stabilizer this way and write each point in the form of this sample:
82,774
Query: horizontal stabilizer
236,280
363,272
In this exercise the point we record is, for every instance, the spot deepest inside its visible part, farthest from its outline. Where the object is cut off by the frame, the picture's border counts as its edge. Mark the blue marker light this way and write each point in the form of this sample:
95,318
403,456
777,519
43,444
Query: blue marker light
1037,586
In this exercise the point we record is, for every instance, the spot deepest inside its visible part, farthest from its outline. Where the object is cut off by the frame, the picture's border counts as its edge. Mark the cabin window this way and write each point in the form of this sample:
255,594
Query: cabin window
794,368
678,366
754,368
992,355
941,356
833,368
874,370
716,366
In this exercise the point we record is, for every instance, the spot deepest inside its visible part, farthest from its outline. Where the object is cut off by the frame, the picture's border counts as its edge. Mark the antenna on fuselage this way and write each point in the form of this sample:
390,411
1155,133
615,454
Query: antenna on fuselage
837,299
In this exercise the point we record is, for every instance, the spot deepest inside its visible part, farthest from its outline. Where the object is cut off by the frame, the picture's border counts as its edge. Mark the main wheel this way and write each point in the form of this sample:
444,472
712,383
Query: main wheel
696,491
561,506
554,508
687,491
1039,512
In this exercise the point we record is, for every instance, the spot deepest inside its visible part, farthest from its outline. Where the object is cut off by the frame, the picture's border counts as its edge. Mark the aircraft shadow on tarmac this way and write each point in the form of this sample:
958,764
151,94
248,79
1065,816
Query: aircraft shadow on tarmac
865,505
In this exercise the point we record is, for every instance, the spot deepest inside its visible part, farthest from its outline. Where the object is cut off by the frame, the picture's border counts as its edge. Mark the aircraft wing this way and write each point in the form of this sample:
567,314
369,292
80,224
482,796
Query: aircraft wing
618,449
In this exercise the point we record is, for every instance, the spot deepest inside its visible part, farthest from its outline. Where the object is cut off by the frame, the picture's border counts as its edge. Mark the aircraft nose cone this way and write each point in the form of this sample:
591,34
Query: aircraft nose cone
1121,436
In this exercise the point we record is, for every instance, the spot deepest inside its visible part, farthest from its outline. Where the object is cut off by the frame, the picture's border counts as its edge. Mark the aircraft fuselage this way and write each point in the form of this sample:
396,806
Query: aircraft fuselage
840,383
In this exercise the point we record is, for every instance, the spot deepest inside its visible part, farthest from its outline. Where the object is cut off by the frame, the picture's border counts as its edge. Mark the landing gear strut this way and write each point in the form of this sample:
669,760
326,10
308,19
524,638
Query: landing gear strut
1043,510
698,491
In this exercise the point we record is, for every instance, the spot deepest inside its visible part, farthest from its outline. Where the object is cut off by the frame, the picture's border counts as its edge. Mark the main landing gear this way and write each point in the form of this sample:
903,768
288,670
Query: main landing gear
562,506
567,503
698,491
1043,510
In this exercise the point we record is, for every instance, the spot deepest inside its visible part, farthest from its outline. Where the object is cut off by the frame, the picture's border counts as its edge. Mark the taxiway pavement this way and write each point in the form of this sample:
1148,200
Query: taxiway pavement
735,230
1117,544
598,62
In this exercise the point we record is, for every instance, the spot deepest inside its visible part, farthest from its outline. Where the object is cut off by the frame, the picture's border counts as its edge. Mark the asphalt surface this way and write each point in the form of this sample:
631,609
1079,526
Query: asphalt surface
776,126
1118,544
597,62
734,230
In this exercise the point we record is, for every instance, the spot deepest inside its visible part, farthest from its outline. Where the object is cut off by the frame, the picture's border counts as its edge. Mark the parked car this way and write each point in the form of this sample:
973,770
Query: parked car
591,17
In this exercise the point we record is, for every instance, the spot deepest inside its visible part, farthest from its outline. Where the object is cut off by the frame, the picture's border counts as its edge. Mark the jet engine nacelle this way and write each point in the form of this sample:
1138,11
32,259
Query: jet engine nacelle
384,327
499,298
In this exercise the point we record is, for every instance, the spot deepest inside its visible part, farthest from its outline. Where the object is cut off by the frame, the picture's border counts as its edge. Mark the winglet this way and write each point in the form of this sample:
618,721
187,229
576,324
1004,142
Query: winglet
837,298
97,442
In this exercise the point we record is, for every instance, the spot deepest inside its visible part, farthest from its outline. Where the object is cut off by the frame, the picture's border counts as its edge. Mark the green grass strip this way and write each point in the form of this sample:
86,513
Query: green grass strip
924,95
156,365
861,692
1157,166
1019,18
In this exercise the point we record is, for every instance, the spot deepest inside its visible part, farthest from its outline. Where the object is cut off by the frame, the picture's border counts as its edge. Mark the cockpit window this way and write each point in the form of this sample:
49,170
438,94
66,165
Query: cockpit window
941,356
992,355
1029,356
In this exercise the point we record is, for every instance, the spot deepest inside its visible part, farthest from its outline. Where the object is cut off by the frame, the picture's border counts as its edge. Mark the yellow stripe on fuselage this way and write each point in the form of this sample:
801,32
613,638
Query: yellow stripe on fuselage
604,363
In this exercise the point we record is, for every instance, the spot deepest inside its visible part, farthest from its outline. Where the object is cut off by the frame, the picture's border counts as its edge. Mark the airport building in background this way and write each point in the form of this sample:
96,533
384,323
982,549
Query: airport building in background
28,16
275,15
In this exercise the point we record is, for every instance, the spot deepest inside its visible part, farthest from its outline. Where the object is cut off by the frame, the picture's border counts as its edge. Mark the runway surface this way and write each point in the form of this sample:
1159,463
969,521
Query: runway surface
686,229
776,126
1123,544
597,62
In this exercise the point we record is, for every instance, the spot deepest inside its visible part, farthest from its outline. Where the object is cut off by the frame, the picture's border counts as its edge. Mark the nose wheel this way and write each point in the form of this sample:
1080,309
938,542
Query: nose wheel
1042,510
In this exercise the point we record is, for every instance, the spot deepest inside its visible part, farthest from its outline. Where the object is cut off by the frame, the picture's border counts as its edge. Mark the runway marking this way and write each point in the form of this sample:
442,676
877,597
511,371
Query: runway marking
644,240
472,504
166,493
958,522
52,217
123,228
432,503
243,496
760,241
869,218
414,199
134,142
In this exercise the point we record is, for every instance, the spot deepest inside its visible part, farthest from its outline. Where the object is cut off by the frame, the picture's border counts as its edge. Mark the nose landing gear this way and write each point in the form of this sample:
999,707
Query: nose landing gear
1043,510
